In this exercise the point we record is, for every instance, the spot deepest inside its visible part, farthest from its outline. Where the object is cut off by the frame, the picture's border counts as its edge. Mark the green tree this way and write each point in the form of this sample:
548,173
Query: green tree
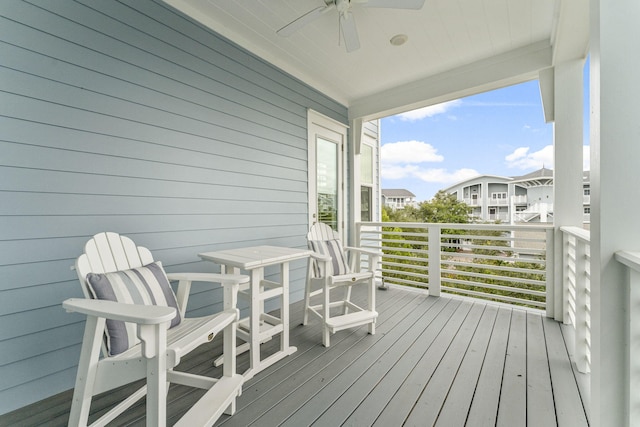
444,208
408,214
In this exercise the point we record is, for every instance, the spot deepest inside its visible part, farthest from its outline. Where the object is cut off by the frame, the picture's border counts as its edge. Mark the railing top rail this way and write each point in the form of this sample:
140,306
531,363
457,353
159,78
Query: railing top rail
630,259
577,232
505,227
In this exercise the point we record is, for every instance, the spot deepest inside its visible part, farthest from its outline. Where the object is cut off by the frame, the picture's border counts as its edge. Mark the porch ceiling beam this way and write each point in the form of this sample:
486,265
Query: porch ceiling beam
509,68
570,34
547,86
570,41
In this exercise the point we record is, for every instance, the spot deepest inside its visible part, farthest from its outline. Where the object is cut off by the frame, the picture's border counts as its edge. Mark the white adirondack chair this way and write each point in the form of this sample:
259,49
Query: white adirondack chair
330,268
160,349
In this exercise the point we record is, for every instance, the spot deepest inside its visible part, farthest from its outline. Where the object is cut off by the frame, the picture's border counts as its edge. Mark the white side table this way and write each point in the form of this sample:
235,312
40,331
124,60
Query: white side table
260,326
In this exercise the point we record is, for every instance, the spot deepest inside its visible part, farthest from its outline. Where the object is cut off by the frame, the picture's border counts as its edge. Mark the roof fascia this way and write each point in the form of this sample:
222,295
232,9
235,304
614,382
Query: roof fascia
478,179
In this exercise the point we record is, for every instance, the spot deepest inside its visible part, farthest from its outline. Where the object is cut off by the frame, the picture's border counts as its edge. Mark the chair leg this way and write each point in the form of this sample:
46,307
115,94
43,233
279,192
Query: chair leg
307,295
157,381
371,300
230,364
87,368
326,334
326,301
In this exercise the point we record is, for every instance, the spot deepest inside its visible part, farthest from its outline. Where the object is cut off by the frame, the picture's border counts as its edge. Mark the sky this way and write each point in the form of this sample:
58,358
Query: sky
501,132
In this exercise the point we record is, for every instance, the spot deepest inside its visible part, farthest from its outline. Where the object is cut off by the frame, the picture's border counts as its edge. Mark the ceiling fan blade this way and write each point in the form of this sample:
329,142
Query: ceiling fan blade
394,4
349,32
302,21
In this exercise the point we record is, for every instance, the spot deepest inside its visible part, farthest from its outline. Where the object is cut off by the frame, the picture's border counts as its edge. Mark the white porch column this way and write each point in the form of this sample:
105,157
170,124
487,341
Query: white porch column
567,172
615,173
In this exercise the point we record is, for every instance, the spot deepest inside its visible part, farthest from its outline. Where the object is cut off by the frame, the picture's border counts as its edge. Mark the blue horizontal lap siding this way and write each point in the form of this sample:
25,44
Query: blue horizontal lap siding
127,116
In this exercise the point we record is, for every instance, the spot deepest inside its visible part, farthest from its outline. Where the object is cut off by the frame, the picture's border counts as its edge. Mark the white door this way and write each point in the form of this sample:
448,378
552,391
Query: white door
326,170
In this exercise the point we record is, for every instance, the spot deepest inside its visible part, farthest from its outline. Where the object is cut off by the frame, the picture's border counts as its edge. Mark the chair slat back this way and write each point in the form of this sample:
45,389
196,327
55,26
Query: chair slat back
321,231
322,239
109,252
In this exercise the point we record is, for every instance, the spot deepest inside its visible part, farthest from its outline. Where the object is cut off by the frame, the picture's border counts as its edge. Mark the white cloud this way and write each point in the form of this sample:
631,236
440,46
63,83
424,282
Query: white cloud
409,152
519,153
430,111
440,176
521,158
444,177
398,171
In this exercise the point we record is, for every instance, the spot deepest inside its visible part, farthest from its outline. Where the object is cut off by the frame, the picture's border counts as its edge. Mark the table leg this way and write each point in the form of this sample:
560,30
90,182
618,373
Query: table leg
284,308
229,299
254,319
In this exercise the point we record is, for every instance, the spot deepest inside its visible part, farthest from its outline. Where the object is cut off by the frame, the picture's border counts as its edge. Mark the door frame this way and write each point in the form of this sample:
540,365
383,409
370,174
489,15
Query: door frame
332,130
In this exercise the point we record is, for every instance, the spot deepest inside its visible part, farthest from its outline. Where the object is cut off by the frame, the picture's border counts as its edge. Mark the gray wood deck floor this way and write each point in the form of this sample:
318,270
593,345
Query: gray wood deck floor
432,362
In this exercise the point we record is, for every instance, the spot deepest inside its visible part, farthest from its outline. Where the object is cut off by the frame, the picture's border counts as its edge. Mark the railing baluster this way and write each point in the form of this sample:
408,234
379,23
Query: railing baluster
581,348
566,246
578,241
552,292
434,260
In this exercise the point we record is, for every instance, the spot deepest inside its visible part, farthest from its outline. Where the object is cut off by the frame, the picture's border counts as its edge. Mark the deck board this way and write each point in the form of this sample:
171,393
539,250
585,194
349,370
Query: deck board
512,410
370,406
486,398
323,365
335,364
568,400
346,392
307,351
455,409
402,403
444,361
427,407
539,392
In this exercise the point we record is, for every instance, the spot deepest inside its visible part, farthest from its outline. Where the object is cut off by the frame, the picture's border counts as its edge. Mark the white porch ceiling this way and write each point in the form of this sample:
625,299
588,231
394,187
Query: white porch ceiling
454,48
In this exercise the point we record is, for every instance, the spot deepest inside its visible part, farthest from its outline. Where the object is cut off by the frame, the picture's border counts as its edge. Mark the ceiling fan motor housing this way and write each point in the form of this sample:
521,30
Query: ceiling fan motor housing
342,5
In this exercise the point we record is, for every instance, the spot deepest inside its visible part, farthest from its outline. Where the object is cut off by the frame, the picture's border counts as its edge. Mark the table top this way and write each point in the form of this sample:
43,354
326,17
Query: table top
255,256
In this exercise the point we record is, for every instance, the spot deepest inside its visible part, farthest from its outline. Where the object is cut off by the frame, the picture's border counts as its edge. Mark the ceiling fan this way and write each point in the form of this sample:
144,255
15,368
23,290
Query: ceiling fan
345,17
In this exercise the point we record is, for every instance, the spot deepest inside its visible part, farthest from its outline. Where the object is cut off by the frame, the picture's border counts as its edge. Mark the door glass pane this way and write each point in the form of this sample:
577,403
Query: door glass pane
366,164
365,204
327,182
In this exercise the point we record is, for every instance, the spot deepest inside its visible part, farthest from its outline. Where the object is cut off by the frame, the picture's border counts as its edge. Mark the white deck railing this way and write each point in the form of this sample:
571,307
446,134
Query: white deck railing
507,263
576,291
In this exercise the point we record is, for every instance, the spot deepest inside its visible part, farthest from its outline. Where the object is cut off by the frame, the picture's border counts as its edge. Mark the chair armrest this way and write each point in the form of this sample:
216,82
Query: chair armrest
364,251
224,279
231,283
140,314
320,257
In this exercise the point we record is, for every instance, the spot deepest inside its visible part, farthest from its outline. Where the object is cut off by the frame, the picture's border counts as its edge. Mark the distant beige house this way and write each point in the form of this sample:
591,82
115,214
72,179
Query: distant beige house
398,198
